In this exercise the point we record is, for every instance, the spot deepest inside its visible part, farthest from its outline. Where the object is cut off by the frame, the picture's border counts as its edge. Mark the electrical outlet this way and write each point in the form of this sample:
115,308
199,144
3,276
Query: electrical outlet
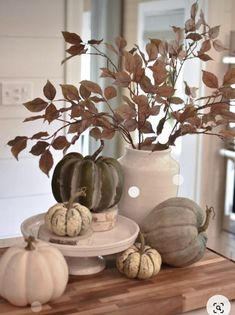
15,93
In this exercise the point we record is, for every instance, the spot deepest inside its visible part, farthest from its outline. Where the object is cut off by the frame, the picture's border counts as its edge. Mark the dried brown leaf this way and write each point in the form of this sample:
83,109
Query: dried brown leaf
130,124
49,91
40,135
106,73
110,92
36,105
60,143
72,38
74,127
76,49
122,79
92,87
95,41
210,79
84,92
190,25
108,134
146,127
32,118
70,92
39,148
193,11
165,90
46,162
146,85
214,32
204,57
152,51
206,45
155,110
17,145
176,100
194,37
229,77
126,111
138,74
95,133
51,113
129,62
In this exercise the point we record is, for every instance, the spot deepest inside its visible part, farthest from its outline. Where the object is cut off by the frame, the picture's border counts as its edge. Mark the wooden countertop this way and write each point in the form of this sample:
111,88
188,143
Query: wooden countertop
173,291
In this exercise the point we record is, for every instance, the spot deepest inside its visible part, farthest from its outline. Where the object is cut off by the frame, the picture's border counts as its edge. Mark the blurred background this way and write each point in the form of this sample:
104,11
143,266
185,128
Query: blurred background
32,49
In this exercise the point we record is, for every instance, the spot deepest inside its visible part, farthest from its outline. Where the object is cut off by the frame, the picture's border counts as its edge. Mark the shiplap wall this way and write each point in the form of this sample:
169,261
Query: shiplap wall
31,50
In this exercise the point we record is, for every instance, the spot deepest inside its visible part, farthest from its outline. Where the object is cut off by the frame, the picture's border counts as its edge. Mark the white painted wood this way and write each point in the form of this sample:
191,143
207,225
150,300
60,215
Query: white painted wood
32,48
31,18
16,210
150,8
22,178
31,57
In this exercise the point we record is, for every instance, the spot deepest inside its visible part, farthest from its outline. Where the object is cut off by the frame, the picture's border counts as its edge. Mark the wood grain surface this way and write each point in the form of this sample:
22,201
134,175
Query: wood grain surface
173,291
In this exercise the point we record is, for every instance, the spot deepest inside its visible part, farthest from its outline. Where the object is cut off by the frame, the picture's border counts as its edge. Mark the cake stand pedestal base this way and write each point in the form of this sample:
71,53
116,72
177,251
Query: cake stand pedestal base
81,266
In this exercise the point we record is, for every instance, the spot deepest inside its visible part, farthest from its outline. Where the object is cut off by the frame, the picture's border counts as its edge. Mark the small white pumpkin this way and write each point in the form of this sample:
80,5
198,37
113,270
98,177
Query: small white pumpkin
139,261
71,219
37,272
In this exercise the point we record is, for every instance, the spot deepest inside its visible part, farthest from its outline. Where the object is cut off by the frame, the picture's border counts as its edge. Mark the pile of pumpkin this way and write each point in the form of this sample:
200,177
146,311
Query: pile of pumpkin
174,231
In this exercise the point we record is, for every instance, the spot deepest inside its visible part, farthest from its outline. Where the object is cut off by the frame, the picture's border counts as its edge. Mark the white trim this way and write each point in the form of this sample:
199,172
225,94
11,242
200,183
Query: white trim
146,9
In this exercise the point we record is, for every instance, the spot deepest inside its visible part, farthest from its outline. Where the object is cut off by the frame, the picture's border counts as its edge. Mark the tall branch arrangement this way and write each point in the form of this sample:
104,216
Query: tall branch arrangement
150,98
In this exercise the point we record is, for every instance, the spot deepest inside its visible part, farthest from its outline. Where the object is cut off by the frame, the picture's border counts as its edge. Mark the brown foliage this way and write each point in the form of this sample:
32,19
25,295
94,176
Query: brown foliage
149,78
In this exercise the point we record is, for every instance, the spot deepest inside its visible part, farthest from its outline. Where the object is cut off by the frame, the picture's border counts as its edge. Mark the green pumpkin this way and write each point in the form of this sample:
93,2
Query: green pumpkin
176,229
102,177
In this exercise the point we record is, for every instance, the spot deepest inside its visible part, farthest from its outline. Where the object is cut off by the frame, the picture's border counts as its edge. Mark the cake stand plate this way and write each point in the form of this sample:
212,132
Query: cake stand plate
84,254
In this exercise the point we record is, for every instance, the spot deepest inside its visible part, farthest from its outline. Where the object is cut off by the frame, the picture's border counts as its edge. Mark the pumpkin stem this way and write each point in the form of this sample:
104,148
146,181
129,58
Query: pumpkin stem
30,240
97,152
209,212
142,242
81,192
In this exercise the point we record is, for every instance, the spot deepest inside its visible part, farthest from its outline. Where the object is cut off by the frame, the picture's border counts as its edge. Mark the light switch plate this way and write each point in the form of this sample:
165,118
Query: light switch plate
15,93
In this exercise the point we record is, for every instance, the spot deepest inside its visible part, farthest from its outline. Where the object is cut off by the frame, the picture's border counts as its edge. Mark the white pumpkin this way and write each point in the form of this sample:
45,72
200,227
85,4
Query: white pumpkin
139,261
71,219
36,272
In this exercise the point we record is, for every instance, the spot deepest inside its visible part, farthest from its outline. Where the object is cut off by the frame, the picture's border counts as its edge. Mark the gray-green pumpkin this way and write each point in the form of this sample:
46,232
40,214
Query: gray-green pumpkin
176,229
102,177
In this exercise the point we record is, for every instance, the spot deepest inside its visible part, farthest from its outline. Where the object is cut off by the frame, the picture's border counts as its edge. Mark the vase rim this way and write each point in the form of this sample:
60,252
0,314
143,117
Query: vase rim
130,149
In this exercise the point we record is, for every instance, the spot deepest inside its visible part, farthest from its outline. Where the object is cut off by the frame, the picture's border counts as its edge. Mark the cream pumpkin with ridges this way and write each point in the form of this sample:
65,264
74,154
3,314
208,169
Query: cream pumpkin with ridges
36,272
139,261
70,218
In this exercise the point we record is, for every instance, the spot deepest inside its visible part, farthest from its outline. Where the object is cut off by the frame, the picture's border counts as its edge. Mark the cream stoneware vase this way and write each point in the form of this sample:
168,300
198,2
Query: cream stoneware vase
149,178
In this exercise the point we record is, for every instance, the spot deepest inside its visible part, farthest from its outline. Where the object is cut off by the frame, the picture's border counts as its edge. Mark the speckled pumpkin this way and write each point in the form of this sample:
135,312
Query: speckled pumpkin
103,178
139,261
68,219
176,229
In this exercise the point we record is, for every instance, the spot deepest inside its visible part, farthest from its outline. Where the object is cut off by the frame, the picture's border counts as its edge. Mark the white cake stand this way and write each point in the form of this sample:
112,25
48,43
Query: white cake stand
85,256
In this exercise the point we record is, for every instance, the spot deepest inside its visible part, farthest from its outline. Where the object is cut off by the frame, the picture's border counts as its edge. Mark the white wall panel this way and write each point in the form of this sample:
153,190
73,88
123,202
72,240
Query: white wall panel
15,210
19,111
23,178
32,49
19,19
31,57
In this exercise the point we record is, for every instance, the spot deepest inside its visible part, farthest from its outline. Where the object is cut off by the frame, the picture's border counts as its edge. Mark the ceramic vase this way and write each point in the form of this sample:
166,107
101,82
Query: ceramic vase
149,178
